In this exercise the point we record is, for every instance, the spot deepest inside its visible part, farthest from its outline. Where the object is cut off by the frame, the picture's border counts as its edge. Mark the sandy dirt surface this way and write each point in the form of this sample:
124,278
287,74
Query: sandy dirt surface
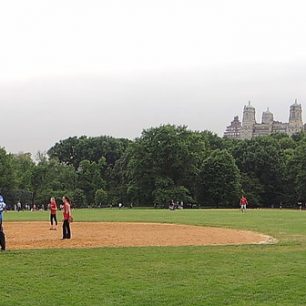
37,235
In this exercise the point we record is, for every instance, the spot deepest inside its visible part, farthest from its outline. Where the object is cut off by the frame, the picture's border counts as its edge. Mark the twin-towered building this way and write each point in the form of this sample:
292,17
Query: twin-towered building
249,128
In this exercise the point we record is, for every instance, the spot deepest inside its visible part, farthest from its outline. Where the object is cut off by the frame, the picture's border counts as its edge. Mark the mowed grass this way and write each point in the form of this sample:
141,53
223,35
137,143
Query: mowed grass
208,275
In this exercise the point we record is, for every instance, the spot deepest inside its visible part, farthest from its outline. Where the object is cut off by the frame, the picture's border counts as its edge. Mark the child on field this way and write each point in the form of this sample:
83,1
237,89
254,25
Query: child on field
53,209
243,203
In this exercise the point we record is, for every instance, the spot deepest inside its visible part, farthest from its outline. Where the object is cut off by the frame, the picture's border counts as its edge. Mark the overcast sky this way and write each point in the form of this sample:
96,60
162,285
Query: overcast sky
72,68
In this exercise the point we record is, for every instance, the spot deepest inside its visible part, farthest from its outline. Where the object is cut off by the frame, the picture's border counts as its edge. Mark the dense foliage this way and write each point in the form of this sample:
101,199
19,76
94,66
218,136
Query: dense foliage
167,163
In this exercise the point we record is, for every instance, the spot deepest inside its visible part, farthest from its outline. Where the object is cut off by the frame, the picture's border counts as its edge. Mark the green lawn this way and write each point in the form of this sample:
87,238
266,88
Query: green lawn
217,275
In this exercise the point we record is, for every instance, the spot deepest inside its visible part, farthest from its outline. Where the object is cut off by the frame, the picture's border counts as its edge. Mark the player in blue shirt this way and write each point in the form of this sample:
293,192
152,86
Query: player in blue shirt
2,236
2,207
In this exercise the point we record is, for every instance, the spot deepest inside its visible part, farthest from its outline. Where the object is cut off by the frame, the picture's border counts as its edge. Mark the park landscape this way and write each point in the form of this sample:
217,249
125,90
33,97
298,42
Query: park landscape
243,274
144,253
121,112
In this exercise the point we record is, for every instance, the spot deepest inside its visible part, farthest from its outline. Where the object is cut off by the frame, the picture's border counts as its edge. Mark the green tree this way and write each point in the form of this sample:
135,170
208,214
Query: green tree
296,173
101,197
89,180
219,180
51,178
8,181
168,153
73,150
78,198
166,192
263,161
23,169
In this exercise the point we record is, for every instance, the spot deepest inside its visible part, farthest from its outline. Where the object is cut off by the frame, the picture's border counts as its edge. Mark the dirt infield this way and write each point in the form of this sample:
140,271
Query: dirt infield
36,235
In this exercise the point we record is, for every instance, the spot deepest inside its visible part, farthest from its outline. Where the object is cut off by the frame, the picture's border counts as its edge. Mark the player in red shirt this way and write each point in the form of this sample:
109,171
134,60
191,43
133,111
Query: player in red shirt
67,218
243,203
53,209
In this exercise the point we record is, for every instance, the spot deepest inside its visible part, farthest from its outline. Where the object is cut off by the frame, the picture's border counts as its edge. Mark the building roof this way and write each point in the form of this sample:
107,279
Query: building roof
249,106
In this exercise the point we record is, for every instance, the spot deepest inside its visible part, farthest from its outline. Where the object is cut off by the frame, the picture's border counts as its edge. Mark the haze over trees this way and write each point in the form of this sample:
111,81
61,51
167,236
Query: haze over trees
165,163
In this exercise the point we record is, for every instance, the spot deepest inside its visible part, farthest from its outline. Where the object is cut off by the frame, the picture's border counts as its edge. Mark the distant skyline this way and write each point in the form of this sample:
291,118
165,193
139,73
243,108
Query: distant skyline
72,68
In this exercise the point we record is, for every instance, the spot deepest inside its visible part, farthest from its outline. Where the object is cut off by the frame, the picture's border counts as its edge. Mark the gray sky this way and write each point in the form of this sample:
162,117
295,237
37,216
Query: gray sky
72,68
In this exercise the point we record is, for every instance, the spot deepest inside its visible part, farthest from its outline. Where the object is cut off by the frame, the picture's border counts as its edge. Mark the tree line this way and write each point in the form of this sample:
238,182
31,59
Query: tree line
165,163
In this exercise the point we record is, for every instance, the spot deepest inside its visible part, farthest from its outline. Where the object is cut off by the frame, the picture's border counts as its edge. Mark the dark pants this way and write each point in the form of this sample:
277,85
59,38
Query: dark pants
66,230
2,238
53,217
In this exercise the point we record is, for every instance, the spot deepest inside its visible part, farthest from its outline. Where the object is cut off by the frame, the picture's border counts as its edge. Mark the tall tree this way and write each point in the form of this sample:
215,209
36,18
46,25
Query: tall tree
73,150
166,154
296,172
51,178
262,161
23,169
89,180
7,175
219,180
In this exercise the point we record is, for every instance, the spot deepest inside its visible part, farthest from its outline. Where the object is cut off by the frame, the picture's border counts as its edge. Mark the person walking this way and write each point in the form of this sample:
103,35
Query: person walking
67,217
243,203
53,209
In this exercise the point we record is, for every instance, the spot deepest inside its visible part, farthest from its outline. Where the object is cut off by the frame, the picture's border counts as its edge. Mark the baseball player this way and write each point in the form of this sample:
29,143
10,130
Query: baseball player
243,203
2,235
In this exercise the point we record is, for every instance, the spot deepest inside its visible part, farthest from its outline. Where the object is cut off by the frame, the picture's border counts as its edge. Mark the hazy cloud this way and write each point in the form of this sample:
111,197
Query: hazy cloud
115,67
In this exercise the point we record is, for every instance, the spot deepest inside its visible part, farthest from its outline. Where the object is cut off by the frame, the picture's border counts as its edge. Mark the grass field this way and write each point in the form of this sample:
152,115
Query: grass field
208,275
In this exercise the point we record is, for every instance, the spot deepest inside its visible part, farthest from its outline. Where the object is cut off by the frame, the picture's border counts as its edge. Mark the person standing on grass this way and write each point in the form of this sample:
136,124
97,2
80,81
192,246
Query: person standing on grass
19,206
67,217
2,235
243,203
53,209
